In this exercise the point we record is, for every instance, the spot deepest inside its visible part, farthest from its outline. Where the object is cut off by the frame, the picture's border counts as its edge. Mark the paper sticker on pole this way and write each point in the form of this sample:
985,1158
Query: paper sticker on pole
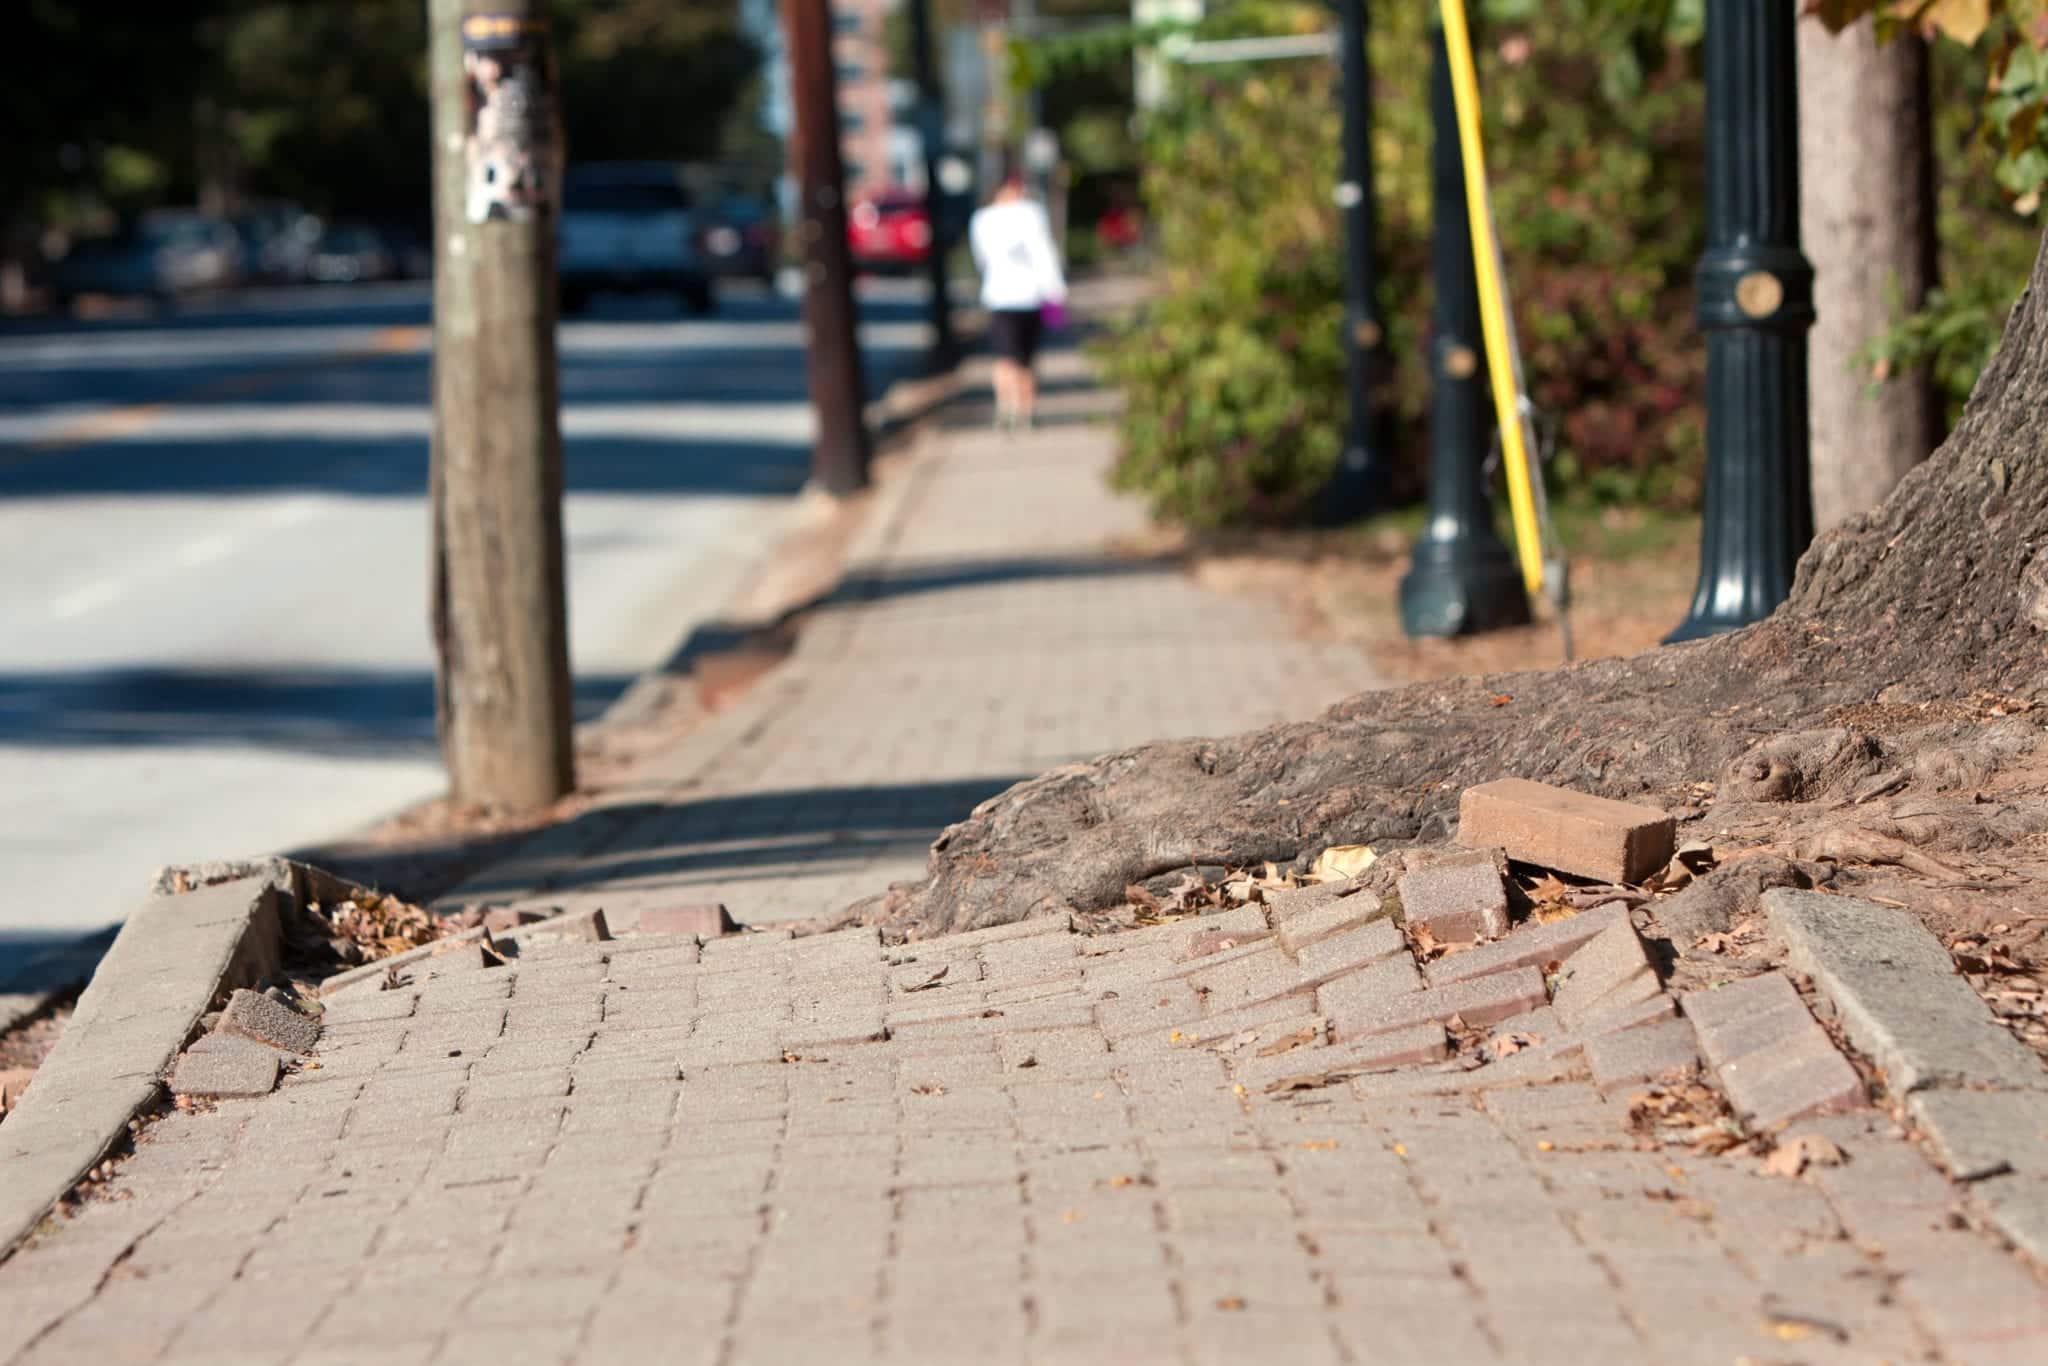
511,149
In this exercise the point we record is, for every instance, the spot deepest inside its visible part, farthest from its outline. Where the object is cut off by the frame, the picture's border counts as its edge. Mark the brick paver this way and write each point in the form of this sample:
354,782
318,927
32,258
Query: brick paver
1017,1145
640,1150
992,631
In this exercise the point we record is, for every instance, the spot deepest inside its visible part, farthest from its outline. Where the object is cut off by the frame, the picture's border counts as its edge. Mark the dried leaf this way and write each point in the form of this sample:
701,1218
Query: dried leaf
1501,699
1287,1043
1794,1155
1142,899
1342,861
935,979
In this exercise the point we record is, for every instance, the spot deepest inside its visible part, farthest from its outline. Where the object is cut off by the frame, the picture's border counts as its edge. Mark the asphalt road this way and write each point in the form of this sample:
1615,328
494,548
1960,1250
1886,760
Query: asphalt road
213,641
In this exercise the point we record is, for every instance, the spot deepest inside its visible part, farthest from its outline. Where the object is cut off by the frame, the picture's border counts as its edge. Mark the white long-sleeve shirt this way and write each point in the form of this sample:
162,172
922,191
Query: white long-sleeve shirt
1013,250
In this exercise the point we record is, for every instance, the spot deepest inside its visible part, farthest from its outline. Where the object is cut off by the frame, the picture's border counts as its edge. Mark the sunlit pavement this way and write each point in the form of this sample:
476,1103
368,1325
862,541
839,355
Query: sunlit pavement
213,530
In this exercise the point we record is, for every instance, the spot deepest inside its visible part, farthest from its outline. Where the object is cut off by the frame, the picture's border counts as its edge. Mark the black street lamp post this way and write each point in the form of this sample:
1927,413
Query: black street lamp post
1462,578
1362,467
1755,292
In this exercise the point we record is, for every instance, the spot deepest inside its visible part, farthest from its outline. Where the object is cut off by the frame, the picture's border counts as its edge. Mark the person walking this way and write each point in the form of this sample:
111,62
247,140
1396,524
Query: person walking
1020,280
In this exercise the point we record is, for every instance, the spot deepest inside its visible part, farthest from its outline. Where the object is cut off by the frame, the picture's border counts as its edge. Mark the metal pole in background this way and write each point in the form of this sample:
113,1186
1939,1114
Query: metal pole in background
839,457
931,130
1362,466
498,604
1755,290
1462,577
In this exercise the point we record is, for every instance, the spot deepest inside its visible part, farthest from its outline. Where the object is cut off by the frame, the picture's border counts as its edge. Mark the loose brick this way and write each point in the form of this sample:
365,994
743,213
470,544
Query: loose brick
1456,901
1355,1013
1772,1057
1634,1055
1528,946
1281,1015
1302,915
224,1072
1351,950
1609,972
1554,827
1805,1076
256,1016
1623,1017
1737,1019
581,927
1421,1043
705,920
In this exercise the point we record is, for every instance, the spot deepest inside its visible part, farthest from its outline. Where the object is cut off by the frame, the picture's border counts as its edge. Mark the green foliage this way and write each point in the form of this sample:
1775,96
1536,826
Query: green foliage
2011,36
322,103
1233,379
1594,134
1988,243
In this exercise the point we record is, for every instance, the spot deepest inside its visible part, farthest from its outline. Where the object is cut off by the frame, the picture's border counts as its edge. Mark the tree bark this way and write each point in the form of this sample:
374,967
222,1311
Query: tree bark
497,601
1940,594
1866,172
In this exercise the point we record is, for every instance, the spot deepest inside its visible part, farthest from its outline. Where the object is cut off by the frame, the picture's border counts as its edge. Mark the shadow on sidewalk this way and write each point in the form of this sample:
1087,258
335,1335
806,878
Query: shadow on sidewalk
690,842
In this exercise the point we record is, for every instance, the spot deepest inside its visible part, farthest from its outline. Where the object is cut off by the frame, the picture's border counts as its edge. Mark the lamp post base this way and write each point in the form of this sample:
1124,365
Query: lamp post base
1453,588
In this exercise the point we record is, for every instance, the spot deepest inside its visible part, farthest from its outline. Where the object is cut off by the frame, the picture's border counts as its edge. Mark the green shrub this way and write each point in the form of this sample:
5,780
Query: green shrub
1233,379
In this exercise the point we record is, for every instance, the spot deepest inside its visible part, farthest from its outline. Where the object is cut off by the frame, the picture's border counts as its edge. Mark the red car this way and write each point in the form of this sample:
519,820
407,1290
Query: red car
890,232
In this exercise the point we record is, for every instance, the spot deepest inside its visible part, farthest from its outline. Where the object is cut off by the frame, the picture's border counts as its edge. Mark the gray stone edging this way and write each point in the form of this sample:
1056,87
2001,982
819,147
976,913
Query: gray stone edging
1978,1093
166,968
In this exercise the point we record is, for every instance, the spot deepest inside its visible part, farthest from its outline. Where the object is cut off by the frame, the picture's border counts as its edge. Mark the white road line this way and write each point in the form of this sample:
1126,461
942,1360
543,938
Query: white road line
79,601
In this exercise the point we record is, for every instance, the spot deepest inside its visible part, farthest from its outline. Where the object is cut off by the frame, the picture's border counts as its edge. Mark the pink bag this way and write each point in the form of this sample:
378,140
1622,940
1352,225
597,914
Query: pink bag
1053,313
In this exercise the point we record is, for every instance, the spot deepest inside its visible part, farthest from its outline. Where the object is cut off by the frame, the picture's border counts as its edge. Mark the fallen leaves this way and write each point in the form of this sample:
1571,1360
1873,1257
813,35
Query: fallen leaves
1341,862
1793,1156
932,981
1685,1112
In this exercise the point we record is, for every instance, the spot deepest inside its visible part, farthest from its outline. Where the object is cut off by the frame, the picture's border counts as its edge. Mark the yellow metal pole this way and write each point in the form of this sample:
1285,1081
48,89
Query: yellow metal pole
1493,312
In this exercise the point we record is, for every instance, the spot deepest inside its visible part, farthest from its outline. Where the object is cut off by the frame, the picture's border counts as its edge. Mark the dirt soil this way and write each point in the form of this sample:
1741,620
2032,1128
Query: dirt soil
1631,579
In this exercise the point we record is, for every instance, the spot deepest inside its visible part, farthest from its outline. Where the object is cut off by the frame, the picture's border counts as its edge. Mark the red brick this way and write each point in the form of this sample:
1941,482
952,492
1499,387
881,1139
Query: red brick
1608,972
1483,1000
227,1071
1772,1057
256,1016
1554,827
1634,1055
1806,1075
1457,902
1423,1043
1528,946
707,920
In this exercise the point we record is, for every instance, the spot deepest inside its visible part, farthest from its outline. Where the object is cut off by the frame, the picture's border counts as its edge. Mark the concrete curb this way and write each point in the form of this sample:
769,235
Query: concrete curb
1977,1093
203,932
169,963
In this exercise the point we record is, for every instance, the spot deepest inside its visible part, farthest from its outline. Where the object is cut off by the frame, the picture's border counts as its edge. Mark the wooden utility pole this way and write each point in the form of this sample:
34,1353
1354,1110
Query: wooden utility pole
840,454
500,616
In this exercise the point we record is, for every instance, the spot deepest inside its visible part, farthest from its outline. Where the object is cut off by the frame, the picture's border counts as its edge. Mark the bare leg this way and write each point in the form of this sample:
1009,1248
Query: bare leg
1004,374
1026,387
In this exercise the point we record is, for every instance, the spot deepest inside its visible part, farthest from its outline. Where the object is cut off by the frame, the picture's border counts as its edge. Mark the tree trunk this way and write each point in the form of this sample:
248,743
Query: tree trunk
498,602
1937,597
1867,208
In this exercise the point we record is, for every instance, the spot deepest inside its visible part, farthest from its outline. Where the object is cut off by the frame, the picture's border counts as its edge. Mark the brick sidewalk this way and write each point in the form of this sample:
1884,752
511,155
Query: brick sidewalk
640,1151
987,631
1010,1146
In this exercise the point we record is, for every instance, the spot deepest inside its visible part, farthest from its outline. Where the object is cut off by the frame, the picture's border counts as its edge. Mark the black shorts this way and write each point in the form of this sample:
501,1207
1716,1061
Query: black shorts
1014,333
